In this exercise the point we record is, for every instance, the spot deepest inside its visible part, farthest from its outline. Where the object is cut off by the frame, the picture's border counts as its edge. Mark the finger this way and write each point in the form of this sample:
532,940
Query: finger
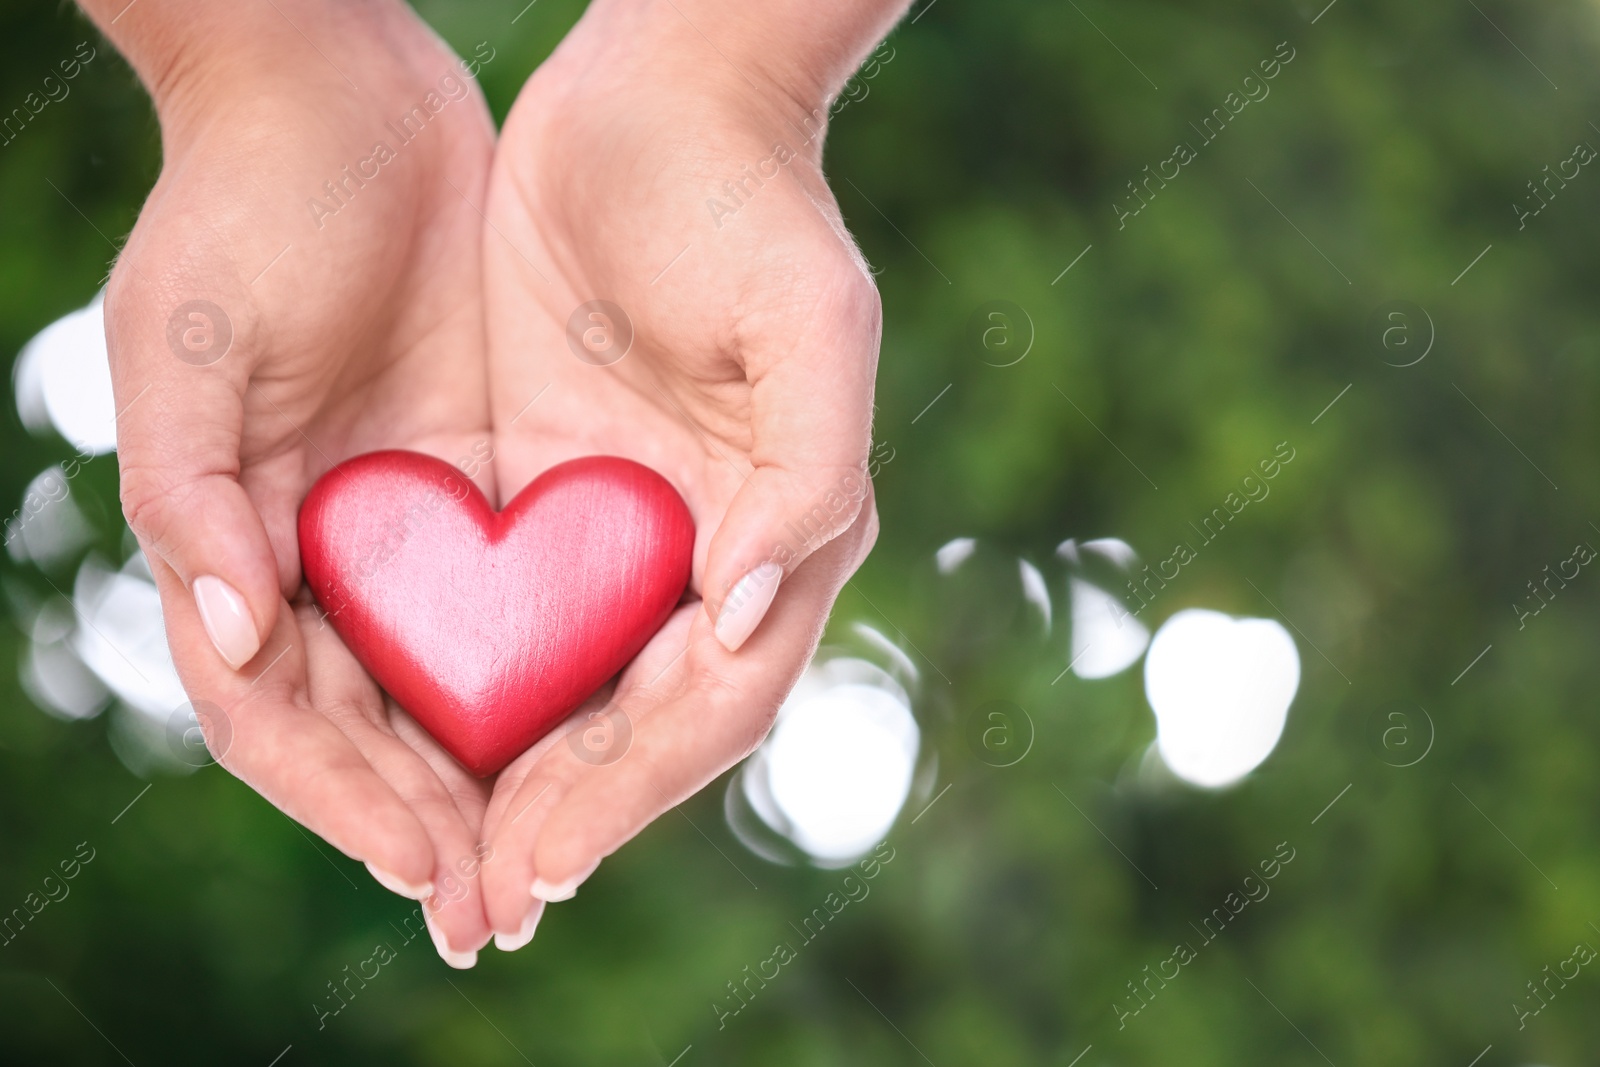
524,934
304,766
811,378
179,358
532,786
508,883
270,735
450,803
722,712
444,798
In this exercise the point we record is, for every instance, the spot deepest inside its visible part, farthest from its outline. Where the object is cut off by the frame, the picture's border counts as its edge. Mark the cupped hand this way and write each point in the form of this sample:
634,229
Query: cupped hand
293,294
734,352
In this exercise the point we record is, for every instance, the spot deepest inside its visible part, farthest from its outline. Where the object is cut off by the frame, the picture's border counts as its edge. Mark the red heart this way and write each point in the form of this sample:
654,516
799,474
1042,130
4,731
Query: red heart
490,628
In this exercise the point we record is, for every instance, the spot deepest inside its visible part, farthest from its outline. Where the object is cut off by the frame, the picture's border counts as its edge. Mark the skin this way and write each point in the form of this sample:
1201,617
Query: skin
427,314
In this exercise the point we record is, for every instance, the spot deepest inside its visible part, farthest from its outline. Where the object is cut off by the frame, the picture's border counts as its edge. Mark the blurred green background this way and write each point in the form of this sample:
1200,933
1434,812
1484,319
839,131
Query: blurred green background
979,161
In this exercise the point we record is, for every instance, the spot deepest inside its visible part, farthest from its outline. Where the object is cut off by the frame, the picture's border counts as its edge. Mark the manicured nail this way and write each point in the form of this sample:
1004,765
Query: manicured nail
395,885
746,605
512,942
227,620
557,891
461,961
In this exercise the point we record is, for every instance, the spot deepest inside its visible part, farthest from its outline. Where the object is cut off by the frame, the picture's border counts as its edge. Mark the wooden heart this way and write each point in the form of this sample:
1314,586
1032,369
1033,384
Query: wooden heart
489,627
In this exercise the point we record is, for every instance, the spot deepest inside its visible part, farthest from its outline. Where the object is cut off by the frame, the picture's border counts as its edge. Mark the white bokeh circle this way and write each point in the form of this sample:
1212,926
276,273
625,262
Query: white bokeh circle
1221,688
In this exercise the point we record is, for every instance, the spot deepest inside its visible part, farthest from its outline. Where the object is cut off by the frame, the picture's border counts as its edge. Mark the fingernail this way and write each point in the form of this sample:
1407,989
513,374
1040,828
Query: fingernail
395,885
461,961
557,891
746,605
227,620
512,942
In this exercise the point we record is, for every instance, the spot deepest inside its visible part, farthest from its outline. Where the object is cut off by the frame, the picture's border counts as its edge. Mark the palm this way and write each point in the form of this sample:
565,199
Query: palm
595,193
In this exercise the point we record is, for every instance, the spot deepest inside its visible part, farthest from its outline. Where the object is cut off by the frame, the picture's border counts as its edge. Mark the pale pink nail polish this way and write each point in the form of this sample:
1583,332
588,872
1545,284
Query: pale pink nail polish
512,942
396,885
461,961
746,605
558,891
227,620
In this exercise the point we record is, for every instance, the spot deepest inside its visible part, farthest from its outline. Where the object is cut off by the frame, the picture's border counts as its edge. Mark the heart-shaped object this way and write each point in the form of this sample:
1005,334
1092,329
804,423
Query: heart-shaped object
490,627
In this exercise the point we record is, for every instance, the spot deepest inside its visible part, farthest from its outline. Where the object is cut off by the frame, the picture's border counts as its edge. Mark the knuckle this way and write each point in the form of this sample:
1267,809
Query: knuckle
870,527
760,721
153,501
748,712
859,294
844,290
145,494
850,289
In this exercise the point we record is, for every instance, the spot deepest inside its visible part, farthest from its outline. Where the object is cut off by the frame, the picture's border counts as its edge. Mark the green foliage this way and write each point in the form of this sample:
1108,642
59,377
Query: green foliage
1181,348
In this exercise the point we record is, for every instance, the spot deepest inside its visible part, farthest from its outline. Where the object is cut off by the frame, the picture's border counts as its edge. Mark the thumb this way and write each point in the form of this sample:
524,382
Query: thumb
811,425
178,375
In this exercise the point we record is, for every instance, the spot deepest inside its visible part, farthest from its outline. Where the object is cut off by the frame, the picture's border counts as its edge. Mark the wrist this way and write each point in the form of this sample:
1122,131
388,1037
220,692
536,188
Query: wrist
789,58
198,58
